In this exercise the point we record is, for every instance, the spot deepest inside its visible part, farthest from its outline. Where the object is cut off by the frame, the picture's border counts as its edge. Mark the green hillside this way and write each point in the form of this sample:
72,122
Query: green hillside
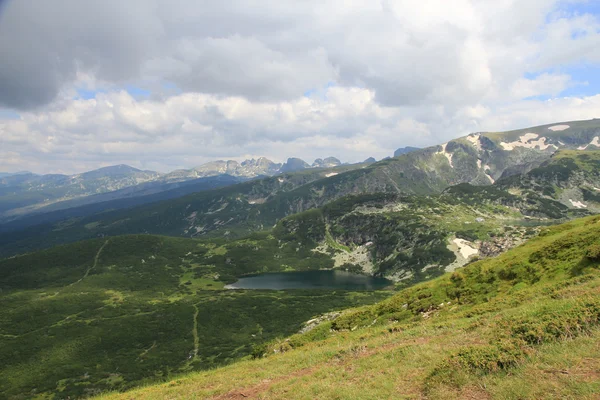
112,313
524,325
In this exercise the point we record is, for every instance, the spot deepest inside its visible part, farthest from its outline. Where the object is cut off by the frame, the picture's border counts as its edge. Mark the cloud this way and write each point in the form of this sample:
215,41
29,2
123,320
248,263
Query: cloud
228,79
407,51
191,128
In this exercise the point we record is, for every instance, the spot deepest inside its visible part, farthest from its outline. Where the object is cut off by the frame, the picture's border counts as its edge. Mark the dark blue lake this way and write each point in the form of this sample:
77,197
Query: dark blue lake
320,279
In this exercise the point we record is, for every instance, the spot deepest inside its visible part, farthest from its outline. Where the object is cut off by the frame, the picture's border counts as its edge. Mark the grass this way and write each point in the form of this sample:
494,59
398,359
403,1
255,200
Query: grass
525,325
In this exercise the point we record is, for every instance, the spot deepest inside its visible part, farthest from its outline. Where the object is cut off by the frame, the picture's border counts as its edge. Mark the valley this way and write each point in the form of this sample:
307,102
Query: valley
523,325
109,314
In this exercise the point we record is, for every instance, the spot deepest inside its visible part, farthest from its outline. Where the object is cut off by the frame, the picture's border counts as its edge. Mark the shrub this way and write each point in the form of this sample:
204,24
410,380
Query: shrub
593,252
490,358
353,319
569,321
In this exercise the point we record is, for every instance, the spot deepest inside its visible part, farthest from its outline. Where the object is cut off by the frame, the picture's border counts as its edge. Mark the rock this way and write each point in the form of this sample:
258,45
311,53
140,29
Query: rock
313,323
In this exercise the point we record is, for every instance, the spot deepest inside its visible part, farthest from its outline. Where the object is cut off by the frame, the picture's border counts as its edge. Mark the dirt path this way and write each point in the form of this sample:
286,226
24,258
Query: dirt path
195,332
93,265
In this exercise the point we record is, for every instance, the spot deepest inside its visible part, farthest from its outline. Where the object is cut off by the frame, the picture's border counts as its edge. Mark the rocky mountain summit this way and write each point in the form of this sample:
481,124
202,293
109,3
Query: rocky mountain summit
328,162
405,150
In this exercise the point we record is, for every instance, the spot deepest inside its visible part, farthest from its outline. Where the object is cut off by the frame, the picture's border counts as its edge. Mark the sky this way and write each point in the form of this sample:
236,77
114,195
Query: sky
167,84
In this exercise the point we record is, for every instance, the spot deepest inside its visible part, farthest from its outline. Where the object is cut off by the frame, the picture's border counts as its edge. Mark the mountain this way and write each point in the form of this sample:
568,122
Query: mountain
369,160
329,162
25,192
149,192
293,165
523,325
228,202
479,159
247,169
405,150
115,172
405,238
7,174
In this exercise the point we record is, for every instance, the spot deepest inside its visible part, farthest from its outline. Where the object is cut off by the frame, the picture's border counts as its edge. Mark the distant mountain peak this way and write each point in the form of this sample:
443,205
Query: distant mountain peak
294,164
328,162
405,150
370,160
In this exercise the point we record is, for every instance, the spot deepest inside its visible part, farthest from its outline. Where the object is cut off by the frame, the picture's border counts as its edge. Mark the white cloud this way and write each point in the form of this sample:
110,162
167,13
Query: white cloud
544,84
190,128
228,78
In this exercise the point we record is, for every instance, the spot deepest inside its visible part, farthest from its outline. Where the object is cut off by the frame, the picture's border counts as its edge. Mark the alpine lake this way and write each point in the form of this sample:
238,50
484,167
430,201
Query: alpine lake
316,279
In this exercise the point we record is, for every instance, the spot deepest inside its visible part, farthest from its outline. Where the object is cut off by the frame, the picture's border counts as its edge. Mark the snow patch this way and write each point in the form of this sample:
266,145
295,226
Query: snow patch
556,128
595,142
577,204
280,180
527,141
465,249
331,174
446,154
479,164
474,139
487,170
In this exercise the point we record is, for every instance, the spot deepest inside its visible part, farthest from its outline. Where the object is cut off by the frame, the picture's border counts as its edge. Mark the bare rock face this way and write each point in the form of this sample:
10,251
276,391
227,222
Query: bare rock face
326,163
510,239
313,323
294,164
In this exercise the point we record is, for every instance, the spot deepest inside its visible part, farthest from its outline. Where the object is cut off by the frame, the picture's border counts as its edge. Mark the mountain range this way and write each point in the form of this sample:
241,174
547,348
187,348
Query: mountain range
24,193
127,287
479,159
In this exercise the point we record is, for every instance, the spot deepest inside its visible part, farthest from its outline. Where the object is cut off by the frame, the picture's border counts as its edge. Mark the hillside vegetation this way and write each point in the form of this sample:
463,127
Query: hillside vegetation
112,313
523,325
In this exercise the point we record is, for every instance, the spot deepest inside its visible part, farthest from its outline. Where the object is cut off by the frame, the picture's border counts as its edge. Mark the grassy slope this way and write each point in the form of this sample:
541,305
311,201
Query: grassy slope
523,325
108,314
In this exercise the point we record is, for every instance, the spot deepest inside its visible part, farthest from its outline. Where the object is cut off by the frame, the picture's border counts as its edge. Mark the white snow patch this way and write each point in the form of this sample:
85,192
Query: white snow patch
556,128
331,174
479,164
446,154
595,142
465,249
487,170
527,141
474,139
595,188
280,180
577,204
